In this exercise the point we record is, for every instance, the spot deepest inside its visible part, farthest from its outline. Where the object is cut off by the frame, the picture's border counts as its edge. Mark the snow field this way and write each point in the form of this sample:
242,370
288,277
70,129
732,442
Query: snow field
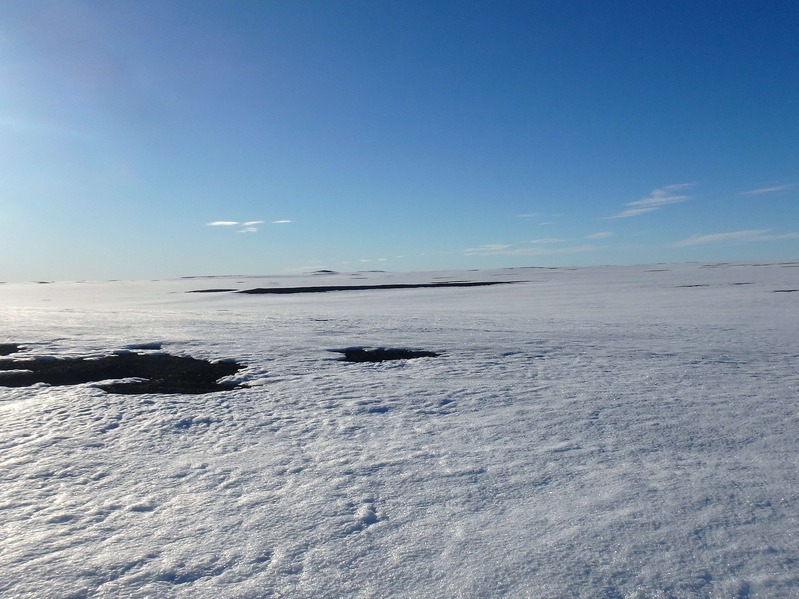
601,432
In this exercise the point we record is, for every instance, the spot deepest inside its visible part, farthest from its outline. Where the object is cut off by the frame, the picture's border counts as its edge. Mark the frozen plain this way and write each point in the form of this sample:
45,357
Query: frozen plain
599,432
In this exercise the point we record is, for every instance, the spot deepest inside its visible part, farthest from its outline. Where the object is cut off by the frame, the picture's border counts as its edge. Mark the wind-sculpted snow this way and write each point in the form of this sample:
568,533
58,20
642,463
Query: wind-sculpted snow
603,432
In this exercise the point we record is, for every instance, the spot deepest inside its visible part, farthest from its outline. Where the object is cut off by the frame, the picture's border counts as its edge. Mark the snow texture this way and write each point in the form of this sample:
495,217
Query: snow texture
599,432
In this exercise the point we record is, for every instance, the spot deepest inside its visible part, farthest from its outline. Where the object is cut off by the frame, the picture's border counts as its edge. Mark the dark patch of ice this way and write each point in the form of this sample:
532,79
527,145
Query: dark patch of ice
785,290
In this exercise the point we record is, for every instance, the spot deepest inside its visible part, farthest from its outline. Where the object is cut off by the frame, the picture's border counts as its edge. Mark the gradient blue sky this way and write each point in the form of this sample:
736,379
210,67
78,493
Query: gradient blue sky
406,135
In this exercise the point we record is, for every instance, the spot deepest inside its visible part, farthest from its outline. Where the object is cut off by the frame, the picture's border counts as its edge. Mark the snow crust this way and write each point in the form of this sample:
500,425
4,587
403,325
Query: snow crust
599,432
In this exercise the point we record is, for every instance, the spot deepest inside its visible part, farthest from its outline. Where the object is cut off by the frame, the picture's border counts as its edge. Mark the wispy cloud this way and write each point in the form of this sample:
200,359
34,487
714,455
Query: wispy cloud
632,212
489,248
280,222
499,249
663,196
599,235
735,237
547,240
765,190
247,226
541,215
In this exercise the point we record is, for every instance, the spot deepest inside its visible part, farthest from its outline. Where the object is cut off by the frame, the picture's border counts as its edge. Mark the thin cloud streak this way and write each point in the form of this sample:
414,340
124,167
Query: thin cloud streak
508,250
735,237
547,240
247,226
489,248
657,198
766,190
280,222
599,235
633,212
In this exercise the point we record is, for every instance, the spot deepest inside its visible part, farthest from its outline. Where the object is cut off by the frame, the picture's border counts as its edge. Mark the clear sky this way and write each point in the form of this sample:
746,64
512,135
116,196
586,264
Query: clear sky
404,135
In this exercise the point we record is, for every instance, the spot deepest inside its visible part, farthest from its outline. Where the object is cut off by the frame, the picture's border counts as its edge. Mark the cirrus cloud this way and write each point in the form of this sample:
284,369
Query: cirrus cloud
247,226
501,249
766,190
657,199
735,237
599,235
546,240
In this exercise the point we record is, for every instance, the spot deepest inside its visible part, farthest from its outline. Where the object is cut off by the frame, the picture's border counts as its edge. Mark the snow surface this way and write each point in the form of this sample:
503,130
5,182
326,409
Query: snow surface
600,432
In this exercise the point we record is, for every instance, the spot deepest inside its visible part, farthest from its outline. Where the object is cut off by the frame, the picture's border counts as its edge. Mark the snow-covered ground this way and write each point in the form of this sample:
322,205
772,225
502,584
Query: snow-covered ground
600,432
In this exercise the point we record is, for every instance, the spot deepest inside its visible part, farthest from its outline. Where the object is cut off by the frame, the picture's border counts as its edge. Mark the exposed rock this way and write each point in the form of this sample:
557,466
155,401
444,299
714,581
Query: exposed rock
382,354
163,373
153,345
9,348
328,288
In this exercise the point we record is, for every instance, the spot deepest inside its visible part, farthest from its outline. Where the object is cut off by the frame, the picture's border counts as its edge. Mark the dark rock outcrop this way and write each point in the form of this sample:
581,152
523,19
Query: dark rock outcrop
382,354
328,288
9,348
163,373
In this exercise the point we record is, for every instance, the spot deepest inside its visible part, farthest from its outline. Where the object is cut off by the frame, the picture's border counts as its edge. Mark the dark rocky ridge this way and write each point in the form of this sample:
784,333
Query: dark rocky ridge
382,354
329,288
164,373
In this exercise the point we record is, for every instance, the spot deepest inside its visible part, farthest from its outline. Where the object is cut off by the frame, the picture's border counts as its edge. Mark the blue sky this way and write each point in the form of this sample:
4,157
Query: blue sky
407,135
